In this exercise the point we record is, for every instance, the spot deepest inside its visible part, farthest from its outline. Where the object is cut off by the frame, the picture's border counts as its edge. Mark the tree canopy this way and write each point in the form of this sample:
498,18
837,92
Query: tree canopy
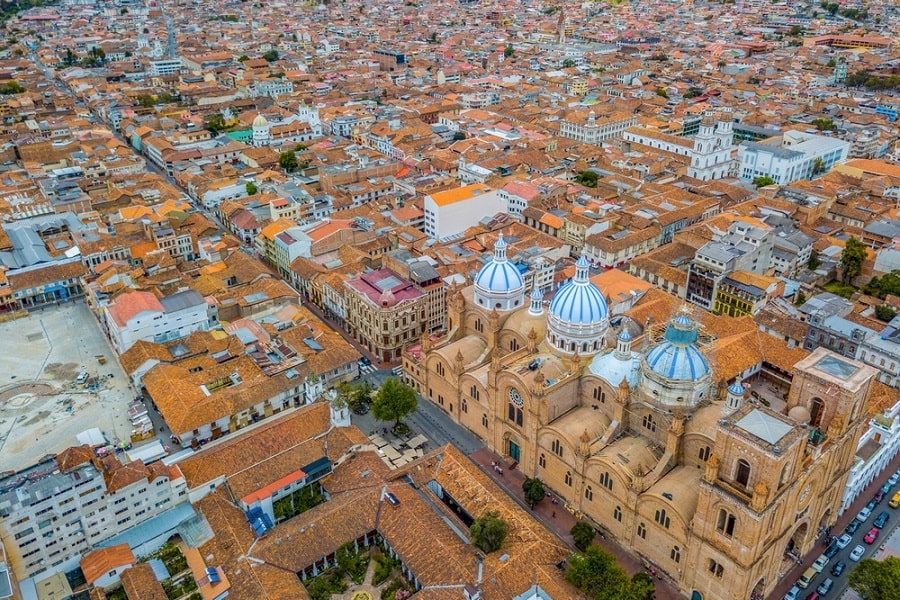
271,55
876,579
488,532
884,285
217,123
852,258
394,401
597,575
582,534
587,179
763,181
251,188
287,160
534,490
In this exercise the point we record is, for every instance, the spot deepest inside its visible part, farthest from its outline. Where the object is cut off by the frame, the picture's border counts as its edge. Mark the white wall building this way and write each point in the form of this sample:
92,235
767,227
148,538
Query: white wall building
453,211
165,66
883,436
710,151
53,512
592,129
790,157
142,316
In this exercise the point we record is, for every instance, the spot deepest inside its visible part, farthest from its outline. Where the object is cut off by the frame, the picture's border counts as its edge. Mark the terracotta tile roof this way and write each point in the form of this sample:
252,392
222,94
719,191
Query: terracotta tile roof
118,476
452,196
140,583
129,305
228,549
74,456
50,274
101,561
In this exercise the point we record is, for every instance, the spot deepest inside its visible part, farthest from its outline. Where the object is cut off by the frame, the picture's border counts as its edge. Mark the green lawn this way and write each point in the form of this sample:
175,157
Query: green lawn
841,289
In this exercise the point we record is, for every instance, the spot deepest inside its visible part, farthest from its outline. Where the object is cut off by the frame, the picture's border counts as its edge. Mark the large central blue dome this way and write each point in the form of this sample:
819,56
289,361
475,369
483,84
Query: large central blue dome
579,301
677,357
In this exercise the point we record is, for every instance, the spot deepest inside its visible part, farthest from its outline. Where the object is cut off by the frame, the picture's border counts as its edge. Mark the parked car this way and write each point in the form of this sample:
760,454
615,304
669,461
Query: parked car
844,541
895,501
807,578
793,593
864,514
894,479
821,563
853,526
886,488
879,496
830,551
872,504
825,587
813,596
838,568
881,520
857,553
871,536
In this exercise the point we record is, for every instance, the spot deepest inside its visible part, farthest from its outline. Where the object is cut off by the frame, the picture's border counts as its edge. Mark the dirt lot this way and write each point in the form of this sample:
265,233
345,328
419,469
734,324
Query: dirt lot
42,408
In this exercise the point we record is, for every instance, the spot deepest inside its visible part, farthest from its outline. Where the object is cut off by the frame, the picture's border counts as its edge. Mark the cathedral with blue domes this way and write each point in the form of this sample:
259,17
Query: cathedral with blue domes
630,424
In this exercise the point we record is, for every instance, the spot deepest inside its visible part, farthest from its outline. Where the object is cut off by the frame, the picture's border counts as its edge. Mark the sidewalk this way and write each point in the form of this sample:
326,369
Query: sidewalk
558,520
791,576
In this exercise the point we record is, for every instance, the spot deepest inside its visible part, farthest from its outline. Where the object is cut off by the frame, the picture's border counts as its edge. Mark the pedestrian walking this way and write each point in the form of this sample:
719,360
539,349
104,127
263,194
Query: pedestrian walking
553,516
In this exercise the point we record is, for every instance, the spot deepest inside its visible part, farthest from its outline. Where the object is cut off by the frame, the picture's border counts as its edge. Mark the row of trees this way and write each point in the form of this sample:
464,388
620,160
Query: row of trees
872,82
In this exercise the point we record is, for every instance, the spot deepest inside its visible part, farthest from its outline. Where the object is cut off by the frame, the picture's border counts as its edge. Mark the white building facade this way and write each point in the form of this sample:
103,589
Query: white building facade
796,155
141,316
453,211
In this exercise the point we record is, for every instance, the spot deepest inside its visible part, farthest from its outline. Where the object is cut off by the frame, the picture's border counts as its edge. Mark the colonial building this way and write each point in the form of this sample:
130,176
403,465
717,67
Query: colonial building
652,445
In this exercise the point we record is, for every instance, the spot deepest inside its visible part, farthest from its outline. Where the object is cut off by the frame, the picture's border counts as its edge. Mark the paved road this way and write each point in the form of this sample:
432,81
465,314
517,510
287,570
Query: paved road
840,583
428,420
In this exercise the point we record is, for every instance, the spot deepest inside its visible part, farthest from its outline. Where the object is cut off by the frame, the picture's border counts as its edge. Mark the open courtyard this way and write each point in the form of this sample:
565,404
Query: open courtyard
42,405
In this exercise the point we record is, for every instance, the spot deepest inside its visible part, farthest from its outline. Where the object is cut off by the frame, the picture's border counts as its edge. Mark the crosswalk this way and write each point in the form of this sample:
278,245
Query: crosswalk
366,369
398,371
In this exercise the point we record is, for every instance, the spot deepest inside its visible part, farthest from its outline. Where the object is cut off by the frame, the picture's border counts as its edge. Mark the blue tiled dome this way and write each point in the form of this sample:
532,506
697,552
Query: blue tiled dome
499,275
579,300
677,357
736,388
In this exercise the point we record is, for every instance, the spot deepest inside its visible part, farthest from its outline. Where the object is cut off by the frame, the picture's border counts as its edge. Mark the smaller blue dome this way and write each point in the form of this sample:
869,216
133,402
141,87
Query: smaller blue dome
499,275
624,335
736,388
676,357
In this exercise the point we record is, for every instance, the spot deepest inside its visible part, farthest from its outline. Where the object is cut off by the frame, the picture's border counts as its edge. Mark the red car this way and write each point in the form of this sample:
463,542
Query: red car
871,536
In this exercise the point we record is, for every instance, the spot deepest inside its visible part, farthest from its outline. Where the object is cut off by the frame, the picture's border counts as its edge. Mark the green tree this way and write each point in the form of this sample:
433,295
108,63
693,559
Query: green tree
587,179
661,92
243,57
884,285
251,188
823,124
11,88
852,258
216,123
534,490
287,160
355,395
488,532
271,55
568,63
508,51
597,575
800,300
394,401
876,579
763,181
885,313
459,135
583,534
814,261
818,166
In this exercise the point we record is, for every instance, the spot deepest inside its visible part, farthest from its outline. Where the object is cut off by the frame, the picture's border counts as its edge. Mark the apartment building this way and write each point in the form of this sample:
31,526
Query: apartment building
790,157
746,246
140,315
385,312
592,129
453,211
879,349
57,510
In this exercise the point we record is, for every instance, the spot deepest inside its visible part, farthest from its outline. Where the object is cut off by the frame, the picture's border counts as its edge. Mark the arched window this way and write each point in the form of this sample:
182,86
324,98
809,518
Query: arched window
589,493
606,481
542,461
514,413
513,345
704,453
817,412
642,530
648,422
557,448
617,514
484,420
725,523
569,478
440,369
662,518
675,554
742,477
464,406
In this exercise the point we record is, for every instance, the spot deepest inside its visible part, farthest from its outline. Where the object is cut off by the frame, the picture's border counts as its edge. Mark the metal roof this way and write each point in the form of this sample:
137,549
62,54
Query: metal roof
764,426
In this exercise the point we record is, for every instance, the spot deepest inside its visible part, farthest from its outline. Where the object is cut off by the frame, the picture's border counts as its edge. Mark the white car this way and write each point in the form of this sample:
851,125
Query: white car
857,553
844,541
864,514
820,563
894,479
